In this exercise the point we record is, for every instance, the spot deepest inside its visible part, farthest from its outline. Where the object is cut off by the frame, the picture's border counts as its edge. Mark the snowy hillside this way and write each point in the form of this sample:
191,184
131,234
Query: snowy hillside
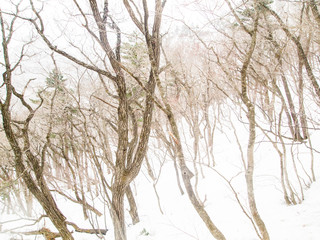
180,221
159,120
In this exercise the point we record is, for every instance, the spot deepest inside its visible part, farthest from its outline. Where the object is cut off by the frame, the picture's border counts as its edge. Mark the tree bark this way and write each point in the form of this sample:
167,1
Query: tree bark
117,212
186,176
133,206
252,130
300,50
184,170
38,188
22,149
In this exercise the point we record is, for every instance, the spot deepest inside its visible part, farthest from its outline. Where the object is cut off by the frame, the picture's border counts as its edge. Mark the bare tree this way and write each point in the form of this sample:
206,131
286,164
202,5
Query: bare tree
130,152
252,126
185,173
27,164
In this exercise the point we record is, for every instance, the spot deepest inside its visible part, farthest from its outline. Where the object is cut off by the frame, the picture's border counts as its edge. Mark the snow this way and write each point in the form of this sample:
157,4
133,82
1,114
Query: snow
180,221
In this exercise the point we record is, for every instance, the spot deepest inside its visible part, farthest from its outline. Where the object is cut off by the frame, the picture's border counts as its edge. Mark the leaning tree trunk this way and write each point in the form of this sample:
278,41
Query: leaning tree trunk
39,186
184,170
186,176
58,219
20,145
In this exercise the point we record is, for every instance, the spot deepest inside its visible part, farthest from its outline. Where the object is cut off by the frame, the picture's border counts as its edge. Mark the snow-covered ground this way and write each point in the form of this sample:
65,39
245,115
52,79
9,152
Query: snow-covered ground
179,220
283,222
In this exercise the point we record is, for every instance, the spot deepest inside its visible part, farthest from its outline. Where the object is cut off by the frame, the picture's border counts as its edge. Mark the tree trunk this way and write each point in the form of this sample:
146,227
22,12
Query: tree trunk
187,175
301,53
49,205
249,174
133,206
118,213
252,129
37,187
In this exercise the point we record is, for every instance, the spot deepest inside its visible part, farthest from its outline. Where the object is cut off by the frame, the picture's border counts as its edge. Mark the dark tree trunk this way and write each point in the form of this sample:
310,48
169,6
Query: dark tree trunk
37,187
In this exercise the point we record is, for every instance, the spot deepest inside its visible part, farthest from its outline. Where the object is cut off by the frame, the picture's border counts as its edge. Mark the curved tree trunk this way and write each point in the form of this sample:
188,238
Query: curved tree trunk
252,130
